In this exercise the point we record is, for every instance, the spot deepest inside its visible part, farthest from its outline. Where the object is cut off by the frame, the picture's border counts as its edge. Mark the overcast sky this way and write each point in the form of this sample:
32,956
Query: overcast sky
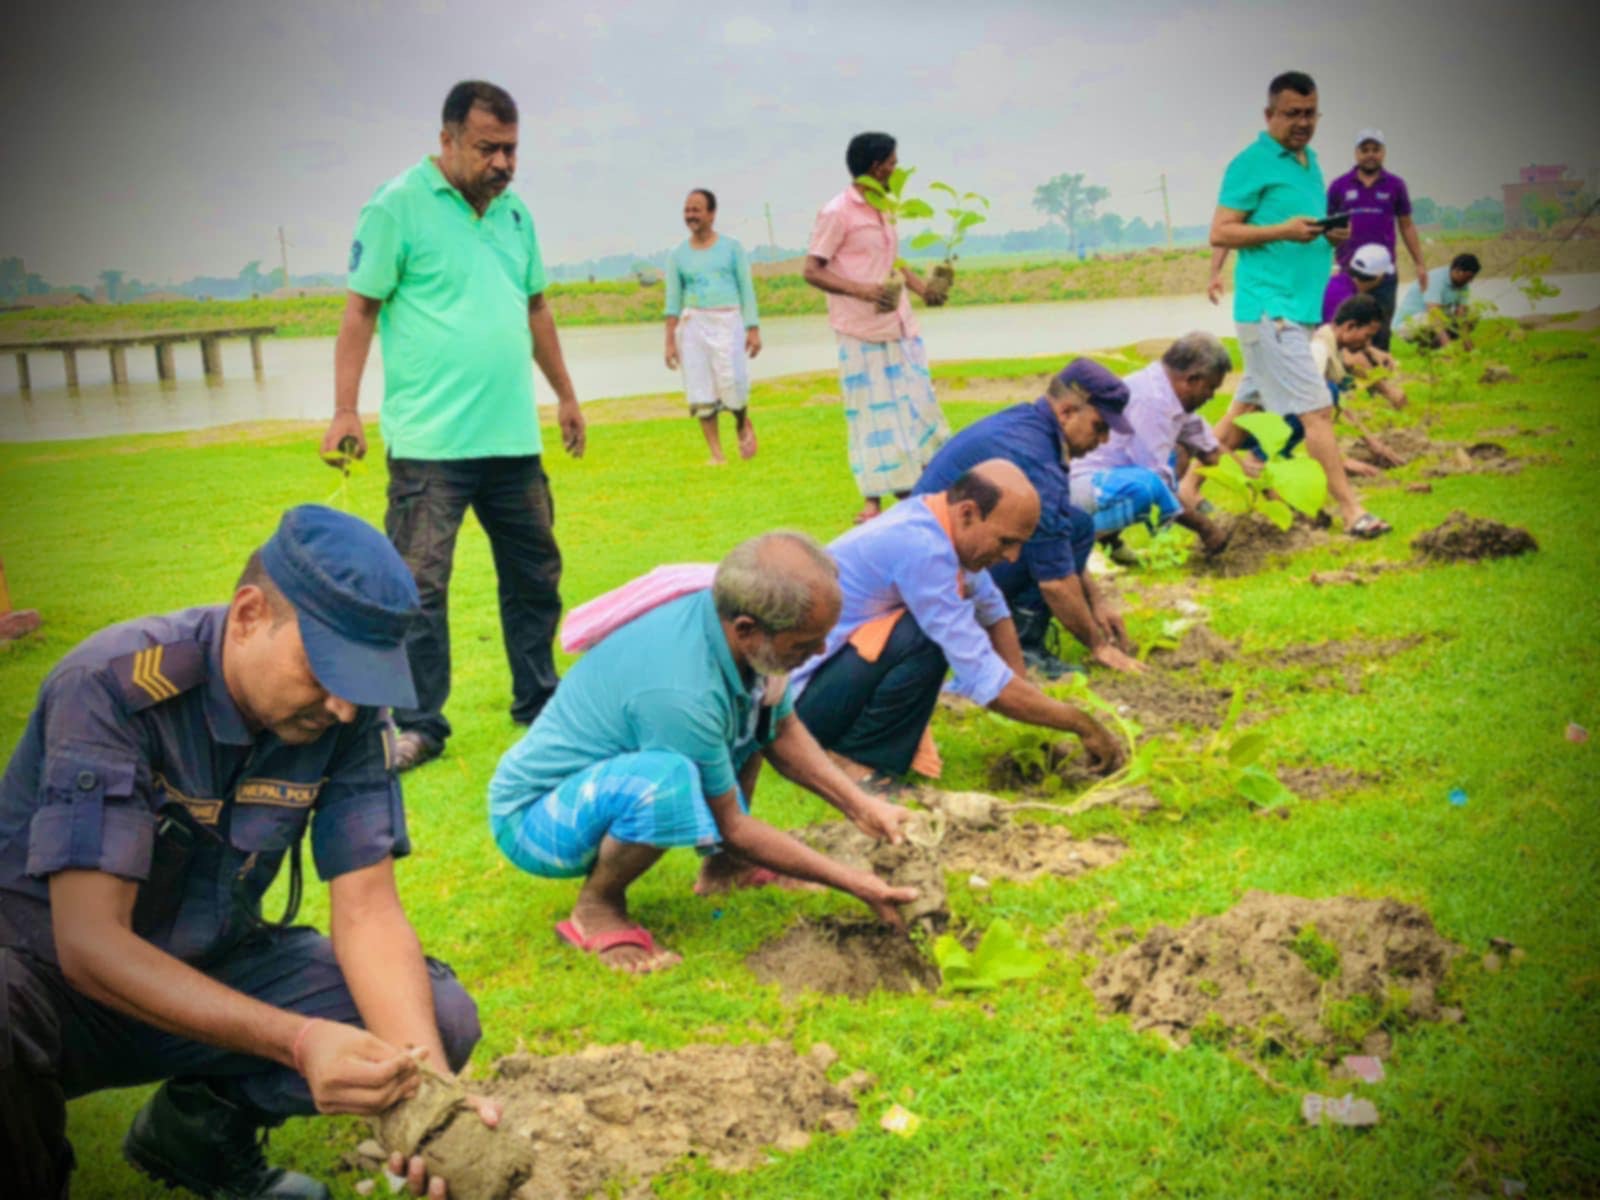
171,138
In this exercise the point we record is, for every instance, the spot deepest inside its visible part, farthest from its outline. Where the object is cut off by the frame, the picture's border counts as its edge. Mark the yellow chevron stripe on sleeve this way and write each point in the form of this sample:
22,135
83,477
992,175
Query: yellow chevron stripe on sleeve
147,674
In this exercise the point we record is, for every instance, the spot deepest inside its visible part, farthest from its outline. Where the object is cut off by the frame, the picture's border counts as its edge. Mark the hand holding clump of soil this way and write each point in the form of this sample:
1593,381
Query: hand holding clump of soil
443,1129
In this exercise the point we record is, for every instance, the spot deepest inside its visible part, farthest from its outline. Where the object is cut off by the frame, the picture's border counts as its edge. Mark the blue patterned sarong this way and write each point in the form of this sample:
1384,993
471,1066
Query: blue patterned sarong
651,798
1121,496
895,420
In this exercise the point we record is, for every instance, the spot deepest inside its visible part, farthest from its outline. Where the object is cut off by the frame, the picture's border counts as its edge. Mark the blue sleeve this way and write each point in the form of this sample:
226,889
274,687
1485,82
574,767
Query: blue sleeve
1241,189
988,602
747,287
669,719
96,808
377,255
929,592
674,274
359,818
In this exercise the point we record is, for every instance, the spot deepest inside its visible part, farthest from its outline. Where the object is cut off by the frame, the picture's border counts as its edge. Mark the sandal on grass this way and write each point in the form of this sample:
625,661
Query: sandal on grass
1368,526
598,943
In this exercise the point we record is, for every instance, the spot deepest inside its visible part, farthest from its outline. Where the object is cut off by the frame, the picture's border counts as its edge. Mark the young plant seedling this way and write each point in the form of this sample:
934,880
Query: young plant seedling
889,198
1284,486
345,462
965,211
1001,957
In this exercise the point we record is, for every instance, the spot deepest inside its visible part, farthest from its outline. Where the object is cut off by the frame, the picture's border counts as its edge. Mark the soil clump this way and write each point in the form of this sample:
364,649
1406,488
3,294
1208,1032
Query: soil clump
1200,644
1316,781
606,1120
480,1163
842,958
1300,974
1160,701
1256,543
1464,538
1480,458
1408,446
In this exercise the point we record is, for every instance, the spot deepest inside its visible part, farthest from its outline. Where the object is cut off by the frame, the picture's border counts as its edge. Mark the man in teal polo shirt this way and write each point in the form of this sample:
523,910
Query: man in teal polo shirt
1272,196
655,741
446,266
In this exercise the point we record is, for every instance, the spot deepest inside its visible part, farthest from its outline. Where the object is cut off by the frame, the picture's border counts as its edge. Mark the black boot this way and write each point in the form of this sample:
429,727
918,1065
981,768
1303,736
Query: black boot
188,1136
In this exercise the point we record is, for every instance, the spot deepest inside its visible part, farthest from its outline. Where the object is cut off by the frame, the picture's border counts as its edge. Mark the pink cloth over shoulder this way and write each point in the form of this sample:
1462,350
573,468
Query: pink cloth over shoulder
858,242
588,624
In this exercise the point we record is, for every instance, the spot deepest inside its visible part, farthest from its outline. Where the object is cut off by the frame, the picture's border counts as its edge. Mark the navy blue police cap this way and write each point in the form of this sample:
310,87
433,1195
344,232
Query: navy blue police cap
1101,388
354,598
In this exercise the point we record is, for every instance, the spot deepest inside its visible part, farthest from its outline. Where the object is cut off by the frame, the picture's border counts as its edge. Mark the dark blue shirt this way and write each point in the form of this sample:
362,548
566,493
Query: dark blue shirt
1029,436
134,740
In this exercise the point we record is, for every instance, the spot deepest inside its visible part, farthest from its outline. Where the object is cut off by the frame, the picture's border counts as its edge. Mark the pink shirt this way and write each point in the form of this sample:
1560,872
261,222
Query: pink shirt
861,244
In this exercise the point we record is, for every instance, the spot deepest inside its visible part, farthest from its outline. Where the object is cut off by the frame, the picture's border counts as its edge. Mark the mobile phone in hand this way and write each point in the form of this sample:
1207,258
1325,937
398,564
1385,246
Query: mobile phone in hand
1337,221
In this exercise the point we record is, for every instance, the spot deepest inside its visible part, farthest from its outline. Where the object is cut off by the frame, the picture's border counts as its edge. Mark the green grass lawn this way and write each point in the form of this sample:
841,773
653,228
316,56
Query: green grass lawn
1030,1090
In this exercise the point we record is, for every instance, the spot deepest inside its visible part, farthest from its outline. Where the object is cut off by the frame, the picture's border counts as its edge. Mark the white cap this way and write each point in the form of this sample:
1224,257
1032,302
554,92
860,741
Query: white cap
1370,135
1373,259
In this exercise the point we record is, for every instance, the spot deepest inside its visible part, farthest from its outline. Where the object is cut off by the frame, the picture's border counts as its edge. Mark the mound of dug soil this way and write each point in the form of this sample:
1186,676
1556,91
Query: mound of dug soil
1316,781
605,1120
1464,538
1200,644
1256,544
975,838
1480,458
842,958
1160,701
1304,974
1407,444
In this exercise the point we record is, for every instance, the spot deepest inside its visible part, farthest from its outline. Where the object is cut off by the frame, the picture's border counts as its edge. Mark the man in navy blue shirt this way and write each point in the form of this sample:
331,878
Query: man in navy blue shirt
169,768
1083,403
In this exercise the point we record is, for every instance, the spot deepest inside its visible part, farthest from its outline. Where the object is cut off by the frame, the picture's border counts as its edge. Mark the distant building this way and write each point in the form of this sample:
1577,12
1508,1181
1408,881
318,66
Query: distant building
1550,184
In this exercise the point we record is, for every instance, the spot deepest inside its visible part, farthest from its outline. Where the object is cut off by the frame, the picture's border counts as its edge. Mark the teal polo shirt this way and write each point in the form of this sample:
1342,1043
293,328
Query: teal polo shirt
1280,279
664,681
457,353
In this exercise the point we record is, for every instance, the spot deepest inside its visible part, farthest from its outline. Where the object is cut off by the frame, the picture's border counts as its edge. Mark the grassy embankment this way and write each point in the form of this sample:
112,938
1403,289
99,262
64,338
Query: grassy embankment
1029,1090
780,292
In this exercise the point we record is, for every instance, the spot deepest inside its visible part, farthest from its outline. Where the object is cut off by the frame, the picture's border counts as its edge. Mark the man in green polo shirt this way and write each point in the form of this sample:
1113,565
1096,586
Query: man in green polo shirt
1272,196
446,266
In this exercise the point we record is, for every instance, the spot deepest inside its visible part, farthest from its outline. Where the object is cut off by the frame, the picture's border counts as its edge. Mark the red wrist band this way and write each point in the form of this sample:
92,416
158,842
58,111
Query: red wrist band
299,1041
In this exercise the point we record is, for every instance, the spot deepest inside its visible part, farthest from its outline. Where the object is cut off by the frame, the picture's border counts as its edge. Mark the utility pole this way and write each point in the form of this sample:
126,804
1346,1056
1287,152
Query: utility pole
283,257
771,241
1166,209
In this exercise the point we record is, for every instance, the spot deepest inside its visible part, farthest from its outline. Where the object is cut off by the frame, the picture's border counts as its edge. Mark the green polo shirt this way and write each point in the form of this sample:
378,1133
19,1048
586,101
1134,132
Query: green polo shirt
1280,279
457,353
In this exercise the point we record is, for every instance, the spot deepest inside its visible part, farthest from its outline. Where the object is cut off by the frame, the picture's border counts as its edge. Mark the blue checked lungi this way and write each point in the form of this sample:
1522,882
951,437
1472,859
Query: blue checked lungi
894,418
651,798
1121,496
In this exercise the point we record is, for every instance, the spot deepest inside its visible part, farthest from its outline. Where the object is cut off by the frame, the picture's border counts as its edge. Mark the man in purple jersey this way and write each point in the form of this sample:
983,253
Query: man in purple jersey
1378,203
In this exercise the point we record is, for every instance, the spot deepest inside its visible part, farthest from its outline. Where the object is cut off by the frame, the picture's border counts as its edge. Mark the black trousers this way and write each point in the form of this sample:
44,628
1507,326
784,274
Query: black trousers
511,498
57,1044
874,713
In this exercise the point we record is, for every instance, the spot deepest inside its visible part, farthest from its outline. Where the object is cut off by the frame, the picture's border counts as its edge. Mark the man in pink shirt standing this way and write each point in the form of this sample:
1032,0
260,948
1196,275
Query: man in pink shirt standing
894,418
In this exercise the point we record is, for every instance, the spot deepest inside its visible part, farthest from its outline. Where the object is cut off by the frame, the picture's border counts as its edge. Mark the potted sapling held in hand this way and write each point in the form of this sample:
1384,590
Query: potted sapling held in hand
964,212
889,199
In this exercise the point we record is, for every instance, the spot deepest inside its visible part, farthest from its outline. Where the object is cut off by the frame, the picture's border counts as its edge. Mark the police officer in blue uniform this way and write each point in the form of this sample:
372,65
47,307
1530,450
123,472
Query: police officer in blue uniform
170,768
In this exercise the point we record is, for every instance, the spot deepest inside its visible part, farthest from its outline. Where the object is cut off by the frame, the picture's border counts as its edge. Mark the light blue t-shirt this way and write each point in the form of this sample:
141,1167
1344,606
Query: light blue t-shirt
1441,291
664,681
1281,279
716,277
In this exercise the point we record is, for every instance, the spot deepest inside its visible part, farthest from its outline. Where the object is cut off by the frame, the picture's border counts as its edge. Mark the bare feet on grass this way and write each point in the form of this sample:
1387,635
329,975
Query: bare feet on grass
747,438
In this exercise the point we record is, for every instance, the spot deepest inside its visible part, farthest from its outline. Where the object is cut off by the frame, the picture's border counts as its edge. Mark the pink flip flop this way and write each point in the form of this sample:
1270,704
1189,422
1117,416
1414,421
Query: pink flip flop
599,943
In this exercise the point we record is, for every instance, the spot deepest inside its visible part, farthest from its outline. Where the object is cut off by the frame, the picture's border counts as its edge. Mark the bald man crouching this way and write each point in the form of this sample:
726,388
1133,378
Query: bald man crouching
919,603
655,739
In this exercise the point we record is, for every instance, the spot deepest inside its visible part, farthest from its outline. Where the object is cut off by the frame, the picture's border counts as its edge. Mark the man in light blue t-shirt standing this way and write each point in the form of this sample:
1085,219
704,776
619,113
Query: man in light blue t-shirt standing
713,328
1268,210
446,266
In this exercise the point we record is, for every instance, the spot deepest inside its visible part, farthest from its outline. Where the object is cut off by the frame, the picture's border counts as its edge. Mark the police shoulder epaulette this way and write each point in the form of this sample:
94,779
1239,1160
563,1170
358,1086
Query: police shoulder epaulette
159,672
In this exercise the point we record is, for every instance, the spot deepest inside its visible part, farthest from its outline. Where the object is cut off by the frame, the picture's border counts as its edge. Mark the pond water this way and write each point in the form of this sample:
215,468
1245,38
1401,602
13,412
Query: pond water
605,361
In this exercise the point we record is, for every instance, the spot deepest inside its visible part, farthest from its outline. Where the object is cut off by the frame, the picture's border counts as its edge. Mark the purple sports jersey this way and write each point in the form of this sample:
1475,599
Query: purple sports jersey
1372,210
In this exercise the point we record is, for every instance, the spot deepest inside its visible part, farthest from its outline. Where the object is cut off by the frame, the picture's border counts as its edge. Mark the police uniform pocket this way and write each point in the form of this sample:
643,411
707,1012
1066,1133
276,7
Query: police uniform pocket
77,829
265,830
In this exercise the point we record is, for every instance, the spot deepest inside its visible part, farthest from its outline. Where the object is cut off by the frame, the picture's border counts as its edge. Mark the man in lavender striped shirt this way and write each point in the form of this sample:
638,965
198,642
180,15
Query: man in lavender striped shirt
1133,473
